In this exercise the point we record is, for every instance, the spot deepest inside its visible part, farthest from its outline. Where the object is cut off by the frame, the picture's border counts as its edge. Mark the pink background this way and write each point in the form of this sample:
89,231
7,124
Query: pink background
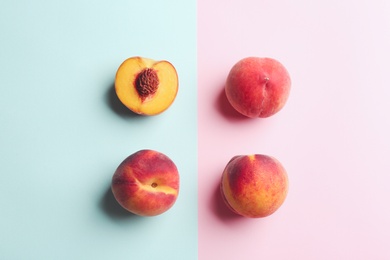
332,136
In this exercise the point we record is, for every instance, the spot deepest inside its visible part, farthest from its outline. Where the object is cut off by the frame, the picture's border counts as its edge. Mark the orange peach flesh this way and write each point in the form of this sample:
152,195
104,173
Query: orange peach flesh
146,183
146,102
254,186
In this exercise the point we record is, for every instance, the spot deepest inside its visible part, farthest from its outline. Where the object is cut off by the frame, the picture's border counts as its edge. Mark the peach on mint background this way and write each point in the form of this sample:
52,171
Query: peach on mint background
146,86
146,183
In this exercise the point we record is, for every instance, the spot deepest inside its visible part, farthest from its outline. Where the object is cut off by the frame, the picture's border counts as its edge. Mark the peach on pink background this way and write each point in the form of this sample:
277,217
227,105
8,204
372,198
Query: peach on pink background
146,183
254,185
258,87
332,135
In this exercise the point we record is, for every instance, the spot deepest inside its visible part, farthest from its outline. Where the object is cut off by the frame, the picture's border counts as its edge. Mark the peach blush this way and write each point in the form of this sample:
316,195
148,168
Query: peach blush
258,87
254,186
146,183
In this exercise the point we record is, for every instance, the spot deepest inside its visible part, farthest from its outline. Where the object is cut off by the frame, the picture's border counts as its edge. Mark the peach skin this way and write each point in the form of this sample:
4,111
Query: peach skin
254,186
146,183
258,87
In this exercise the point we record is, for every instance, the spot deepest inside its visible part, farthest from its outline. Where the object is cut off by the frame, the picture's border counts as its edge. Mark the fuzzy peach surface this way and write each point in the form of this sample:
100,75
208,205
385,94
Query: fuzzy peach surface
258,87
254,186
146,183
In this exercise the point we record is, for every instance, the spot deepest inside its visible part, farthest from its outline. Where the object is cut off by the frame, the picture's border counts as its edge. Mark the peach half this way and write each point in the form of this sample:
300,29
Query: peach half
254,186
146,86
146,183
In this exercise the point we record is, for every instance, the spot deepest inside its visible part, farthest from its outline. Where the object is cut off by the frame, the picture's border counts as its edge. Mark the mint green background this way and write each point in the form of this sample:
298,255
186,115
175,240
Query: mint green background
63,131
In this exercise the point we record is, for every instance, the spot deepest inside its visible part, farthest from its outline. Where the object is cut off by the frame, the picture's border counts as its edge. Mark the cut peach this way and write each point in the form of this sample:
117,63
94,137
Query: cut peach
146,86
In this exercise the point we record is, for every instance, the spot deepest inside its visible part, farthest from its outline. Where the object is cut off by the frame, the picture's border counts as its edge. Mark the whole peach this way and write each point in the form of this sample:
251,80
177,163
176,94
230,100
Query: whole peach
258,87
254,186
146,183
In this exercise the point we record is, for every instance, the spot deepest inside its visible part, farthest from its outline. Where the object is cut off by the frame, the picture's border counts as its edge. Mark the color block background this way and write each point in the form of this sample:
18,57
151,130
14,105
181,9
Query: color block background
332,136
63,131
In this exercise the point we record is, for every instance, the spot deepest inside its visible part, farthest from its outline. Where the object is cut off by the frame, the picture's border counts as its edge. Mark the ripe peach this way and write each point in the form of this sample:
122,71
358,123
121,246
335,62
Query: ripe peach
146,86
254,186
258,87
146,183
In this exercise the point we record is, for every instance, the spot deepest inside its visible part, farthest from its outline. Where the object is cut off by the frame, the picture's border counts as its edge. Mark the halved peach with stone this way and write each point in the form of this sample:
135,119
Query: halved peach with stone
146,86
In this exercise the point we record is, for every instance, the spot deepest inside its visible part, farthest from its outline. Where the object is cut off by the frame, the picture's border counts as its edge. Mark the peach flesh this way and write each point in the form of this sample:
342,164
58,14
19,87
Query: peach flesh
258,87
146,86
